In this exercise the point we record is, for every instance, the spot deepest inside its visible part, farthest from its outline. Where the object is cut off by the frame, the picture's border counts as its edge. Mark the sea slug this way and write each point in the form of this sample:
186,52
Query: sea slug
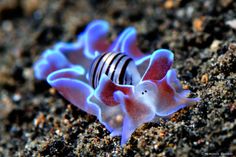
116,82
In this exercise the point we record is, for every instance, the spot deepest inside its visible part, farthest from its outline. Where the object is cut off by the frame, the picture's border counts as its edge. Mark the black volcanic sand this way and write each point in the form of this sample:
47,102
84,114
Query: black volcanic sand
36,121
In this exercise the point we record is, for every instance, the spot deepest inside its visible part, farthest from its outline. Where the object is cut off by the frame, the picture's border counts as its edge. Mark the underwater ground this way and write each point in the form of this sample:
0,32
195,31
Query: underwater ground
36,121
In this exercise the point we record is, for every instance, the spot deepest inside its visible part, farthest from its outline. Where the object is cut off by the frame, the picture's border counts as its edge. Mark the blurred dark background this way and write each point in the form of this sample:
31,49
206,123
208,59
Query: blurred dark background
36,121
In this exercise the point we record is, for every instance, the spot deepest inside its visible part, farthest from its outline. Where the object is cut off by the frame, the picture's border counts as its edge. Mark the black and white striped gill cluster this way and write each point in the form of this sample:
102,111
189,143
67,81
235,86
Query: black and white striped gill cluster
120,68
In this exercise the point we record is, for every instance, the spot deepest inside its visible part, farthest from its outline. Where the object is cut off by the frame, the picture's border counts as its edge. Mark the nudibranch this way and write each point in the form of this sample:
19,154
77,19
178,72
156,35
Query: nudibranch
116,82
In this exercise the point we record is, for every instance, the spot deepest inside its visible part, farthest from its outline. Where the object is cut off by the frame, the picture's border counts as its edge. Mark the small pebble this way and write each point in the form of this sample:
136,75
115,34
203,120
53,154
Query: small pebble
198,23
204,78
7,26
231,23
17,97
52,91
215,45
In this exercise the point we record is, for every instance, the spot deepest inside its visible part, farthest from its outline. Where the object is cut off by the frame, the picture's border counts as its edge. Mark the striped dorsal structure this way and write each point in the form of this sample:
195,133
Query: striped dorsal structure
117,66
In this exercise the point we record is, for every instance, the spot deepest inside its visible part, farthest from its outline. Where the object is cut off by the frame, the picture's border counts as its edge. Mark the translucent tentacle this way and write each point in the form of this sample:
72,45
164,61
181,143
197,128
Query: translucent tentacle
135,114
127,43
160,63
95,38
111,113
67,83
171,100
50,61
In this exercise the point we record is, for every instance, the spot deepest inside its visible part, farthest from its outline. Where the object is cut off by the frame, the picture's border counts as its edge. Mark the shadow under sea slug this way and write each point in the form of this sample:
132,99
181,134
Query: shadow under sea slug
115,82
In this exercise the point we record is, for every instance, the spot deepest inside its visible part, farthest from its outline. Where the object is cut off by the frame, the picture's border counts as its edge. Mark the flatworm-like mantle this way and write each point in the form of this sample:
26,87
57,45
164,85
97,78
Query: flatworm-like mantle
120,108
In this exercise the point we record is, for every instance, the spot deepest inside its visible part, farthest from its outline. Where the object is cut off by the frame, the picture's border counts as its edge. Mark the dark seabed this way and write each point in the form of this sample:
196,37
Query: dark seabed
36,121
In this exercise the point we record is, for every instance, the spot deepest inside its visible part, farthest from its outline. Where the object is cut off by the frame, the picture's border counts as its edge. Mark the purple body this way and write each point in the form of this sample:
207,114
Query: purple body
121,108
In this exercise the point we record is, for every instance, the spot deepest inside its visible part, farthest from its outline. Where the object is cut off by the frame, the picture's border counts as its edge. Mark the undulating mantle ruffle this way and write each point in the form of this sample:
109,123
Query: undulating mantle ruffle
121,108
